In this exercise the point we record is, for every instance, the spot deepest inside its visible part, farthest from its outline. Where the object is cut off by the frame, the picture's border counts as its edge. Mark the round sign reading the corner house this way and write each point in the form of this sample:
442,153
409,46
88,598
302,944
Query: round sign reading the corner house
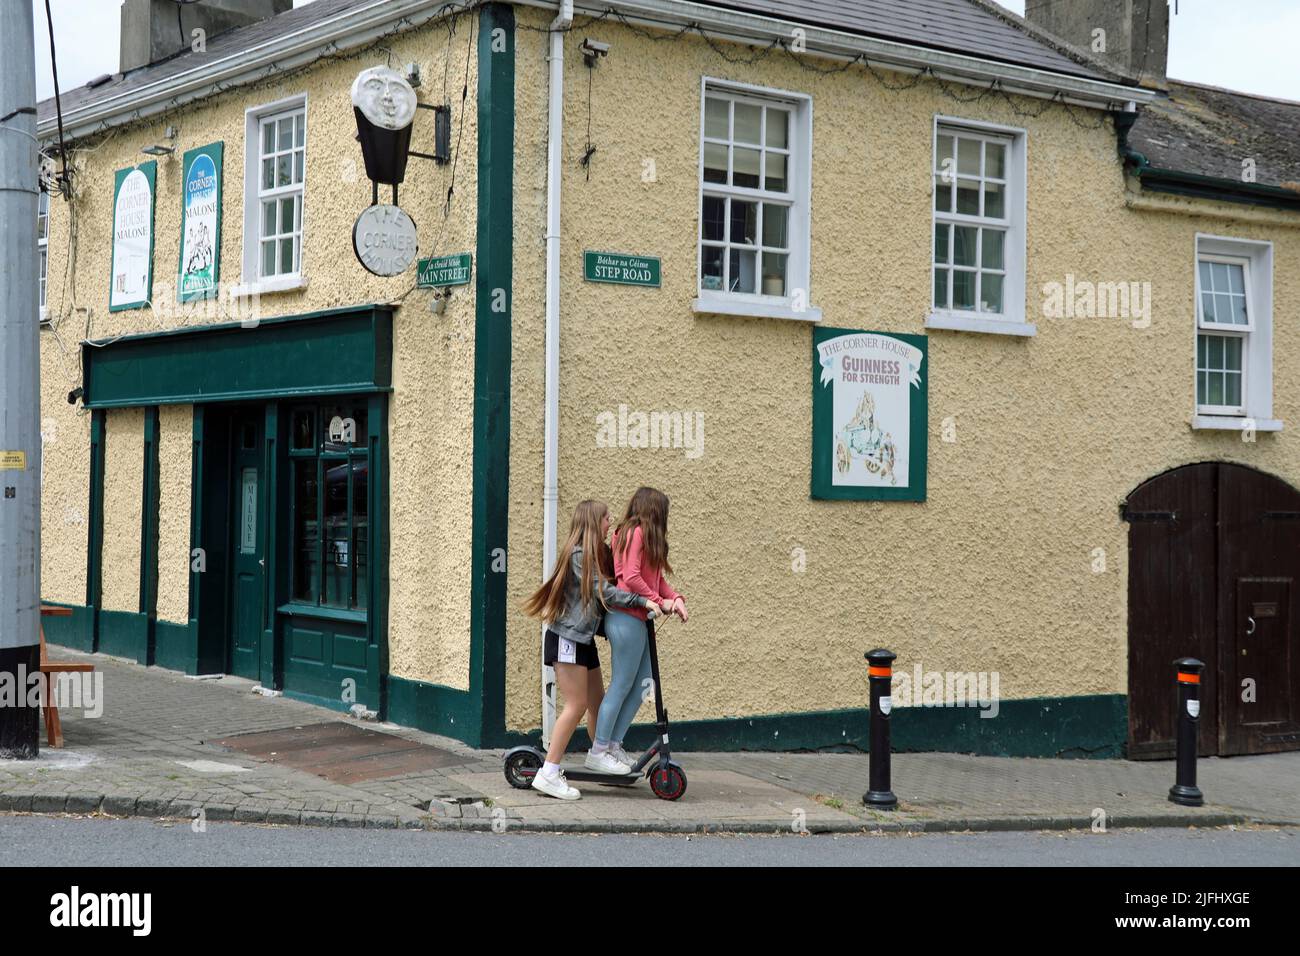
384,240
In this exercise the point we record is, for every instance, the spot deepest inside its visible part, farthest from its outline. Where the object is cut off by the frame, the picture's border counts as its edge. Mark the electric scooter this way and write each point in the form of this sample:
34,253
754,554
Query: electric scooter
667,778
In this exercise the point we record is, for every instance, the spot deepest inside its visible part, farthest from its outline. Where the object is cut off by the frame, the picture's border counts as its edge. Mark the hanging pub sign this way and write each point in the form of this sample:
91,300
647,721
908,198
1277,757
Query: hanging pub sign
131,276
384,106
384,240
870,393
200,263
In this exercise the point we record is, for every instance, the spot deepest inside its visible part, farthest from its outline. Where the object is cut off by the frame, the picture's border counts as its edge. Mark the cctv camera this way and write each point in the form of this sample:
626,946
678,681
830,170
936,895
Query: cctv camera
592,50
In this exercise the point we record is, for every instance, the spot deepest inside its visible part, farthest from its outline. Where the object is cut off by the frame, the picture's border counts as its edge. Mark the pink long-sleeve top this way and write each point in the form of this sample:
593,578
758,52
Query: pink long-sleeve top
632,574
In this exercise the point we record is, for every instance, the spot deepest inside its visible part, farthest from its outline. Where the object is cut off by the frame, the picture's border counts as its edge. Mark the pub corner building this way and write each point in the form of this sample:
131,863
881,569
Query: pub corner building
952,338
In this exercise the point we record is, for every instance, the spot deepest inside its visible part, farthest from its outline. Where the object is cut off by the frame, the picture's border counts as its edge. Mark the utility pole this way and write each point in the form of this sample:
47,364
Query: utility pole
20,415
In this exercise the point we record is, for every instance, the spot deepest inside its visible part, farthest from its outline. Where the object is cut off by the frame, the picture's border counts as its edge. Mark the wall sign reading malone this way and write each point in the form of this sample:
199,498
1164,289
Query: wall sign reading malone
132,272
870,394
200,266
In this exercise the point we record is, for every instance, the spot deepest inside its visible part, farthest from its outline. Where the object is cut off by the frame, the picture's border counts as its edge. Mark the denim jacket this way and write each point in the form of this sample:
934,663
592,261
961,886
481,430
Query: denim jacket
577,622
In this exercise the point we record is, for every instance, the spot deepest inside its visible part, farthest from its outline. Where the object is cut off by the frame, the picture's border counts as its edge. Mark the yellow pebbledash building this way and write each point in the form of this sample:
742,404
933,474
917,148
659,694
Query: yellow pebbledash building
945,331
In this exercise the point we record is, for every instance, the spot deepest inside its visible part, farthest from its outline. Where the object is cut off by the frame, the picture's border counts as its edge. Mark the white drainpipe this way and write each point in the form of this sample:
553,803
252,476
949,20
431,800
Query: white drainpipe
551,480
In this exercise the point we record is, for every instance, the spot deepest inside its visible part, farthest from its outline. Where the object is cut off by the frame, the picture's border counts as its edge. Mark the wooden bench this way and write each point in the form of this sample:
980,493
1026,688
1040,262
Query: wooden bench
53,727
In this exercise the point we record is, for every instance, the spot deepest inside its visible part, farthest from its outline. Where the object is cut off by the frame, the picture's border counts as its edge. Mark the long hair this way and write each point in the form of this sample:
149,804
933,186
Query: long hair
547,602
648,510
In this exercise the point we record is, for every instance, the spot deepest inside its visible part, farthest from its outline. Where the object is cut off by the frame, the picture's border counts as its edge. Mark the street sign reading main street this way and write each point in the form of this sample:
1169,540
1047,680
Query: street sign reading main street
440,271
620,269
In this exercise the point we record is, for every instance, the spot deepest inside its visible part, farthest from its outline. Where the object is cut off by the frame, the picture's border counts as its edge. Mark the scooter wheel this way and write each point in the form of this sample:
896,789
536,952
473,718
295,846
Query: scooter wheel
521,766
668,783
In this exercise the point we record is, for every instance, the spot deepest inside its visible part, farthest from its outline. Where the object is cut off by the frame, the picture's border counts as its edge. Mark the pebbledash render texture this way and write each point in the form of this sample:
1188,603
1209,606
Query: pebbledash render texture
1016,563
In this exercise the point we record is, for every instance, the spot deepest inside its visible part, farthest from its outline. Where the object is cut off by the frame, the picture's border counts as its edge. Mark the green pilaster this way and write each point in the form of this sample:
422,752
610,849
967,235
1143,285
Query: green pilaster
95,526
149,534
494,291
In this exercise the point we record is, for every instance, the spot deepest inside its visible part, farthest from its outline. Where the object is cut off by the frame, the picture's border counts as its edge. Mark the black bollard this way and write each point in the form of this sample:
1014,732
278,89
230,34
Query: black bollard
1184,791
880,672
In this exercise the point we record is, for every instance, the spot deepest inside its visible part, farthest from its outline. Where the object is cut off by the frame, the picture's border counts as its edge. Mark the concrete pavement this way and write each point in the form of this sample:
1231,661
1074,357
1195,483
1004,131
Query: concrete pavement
152,754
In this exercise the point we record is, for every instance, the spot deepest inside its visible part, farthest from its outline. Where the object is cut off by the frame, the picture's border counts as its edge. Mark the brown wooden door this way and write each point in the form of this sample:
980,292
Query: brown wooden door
1214,554
1259,651
1172,603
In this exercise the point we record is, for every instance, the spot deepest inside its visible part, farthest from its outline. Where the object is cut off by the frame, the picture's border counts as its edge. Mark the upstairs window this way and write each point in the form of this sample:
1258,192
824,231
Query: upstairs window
43,240
755,160
1233,357
274,194
978,229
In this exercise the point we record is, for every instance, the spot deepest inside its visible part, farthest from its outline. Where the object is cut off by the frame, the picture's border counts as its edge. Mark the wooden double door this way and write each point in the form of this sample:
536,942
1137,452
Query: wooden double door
1214,566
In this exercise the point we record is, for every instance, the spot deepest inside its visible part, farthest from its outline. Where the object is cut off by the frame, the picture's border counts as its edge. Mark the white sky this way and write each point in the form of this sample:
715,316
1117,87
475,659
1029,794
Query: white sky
1244,45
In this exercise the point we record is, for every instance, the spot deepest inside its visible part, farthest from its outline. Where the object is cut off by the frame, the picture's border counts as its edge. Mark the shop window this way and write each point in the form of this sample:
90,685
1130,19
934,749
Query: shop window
330,483
1234,331
754,202
977,265
274,194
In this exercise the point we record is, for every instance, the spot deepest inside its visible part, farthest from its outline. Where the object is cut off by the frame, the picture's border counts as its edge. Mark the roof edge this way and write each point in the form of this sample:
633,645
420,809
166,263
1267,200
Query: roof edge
360,26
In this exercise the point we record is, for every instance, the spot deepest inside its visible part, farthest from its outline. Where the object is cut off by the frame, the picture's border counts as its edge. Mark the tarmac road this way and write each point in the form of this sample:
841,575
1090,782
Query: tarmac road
72,841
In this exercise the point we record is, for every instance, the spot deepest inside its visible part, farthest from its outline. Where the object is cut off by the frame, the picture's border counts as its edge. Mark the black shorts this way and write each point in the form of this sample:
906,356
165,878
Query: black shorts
561,650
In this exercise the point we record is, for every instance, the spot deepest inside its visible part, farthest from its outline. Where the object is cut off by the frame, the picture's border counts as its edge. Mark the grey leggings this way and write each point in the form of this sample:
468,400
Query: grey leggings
630,649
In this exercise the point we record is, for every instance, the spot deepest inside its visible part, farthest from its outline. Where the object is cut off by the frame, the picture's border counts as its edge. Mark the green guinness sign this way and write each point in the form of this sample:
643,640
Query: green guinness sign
620,269
440,271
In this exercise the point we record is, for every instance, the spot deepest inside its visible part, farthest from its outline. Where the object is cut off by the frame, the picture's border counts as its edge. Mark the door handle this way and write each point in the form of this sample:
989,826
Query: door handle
262,562
1252,625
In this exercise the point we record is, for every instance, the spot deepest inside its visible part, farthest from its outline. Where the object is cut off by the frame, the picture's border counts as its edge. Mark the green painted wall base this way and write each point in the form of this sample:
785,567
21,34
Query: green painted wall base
76,632
435,709
177,646
124,634
1093,726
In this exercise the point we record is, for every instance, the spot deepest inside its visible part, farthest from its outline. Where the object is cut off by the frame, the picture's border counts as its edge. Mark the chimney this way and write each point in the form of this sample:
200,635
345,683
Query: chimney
154,30
1131,36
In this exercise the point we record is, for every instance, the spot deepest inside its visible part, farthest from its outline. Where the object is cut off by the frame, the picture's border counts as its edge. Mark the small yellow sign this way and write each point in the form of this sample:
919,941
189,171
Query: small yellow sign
13,461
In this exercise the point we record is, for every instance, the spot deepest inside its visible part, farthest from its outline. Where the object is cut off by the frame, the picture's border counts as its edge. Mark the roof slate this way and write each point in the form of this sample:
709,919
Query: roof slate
957,26
1209,131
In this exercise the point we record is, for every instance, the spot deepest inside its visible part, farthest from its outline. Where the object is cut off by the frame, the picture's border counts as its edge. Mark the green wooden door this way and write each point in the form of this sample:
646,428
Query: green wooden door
247,547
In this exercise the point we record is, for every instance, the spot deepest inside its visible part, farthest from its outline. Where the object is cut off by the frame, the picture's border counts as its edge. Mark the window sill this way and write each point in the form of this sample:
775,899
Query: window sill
322,613
269,286
777,309
964,323
1233,423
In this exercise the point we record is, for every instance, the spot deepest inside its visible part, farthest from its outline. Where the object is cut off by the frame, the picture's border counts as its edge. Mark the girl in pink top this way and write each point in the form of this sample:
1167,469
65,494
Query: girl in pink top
640,560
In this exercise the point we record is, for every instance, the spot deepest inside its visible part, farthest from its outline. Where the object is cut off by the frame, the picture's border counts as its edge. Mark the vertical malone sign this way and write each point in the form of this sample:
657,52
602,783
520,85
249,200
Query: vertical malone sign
200,262
869,415
132,272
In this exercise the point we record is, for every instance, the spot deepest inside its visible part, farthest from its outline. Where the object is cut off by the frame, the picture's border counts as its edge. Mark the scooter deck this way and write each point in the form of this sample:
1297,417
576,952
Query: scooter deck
609,779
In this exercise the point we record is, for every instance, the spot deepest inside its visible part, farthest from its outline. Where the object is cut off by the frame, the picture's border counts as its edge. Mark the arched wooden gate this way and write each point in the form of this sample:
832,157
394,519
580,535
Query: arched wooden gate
1214,573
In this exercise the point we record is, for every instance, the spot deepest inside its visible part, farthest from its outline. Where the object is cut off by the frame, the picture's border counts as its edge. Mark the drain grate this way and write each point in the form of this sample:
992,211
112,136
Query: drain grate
342,753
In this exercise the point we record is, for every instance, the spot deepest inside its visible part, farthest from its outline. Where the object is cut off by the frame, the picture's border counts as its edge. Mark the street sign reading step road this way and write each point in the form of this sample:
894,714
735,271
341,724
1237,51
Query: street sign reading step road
620,269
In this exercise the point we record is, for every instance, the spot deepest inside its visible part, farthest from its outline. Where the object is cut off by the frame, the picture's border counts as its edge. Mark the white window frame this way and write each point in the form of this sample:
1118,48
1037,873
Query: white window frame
1226,331
43,249
798,197
1256,258
1012,319
252,281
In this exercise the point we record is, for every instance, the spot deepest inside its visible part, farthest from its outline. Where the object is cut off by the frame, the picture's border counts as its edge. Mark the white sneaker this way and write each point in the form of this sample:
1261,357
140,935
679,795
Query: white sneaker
622,755
607,763
555,786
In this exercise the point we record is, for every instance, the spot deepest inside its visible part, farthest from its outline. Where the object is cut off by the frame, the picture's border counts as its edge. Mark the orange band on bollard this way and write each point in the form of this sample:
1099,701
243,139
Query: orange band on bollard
880,671
1188,678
